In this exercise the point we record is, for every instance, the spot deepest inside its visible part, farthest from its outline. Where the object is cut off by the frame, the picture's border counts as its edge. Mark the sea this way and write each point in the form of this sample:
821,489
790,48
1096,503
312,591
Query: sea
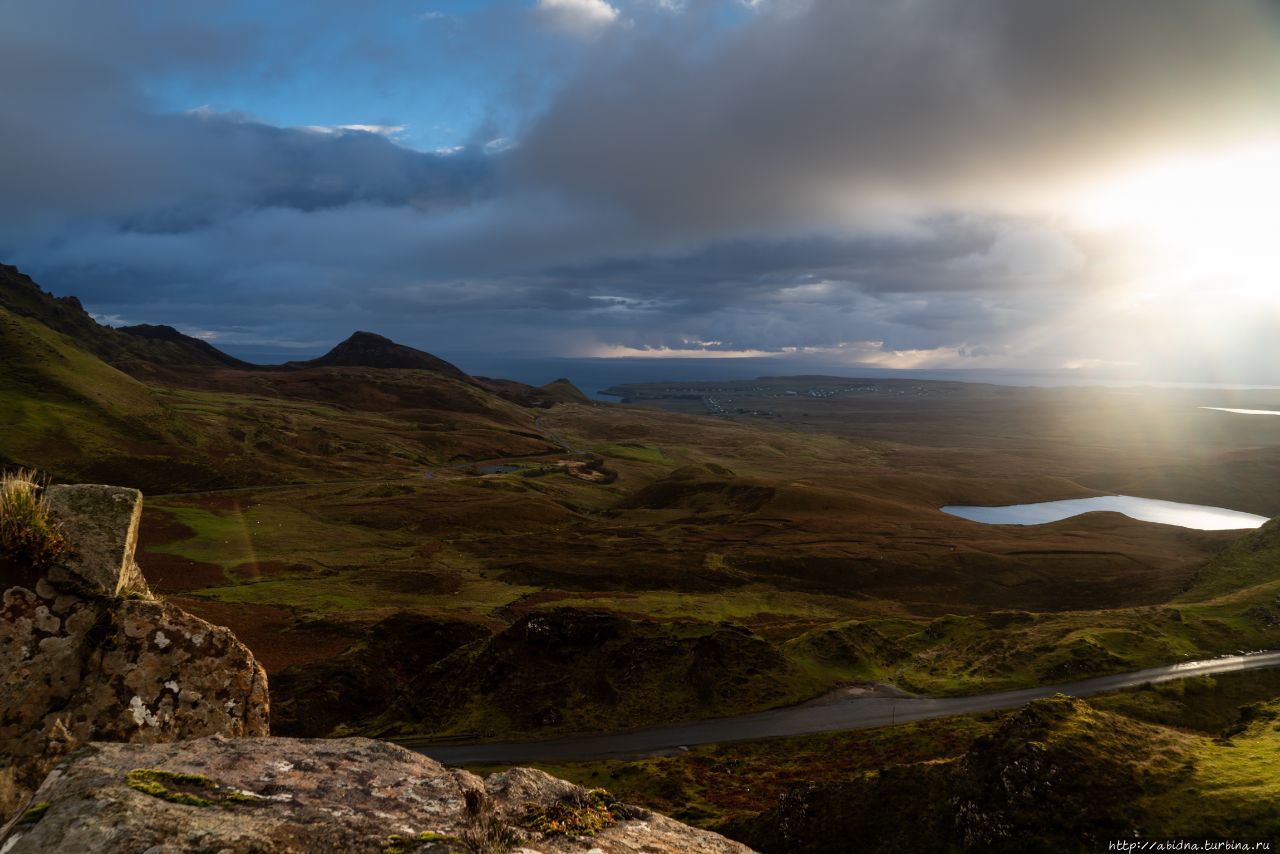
595,375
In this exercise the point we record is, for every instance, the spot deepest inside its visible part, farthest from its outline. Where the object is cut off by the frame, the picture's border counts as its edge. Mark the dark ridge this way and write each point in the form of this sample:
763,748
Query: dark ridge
195,345
518,393
162,345
564,391
367,350
147,330
22,296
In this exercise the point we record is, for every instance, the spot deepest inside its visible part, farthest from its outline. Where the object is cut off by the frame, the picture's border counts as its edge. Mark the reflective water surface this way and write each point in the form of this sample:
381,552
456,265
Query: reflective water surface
1146,509
1243,411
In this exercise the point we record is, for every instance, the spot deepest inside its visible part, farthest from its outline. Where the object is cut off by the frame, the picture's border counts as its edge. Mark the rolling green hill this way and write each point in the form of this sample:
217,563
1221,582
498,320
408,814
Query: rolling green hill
147,406
63,408
122,346
1060,774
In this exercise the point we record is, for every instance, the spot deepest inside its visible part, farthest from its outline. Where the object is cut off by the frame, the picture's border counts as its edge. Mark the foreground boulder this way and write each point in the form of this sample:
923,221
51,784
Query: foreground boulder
86,655
286,795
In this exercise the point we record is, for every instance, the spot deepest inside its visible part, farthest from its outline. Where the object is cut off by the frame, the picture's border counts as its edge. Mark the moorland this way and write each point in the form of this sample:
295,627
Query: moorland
424,555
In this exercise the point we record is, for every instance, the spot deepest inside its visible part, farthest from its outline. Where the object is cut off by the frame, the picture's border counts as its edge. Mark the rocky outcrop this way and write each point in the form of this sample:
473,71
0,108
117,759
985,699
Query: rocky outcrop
101,523
287,795
86,655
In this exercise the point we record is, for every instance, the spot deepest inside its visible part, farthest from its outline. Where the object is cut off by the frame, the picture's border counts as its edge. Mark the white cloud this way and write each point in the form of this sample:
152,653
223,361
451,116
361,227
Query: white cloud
389,131
617,351
499,144
579,17
110,319
1026,253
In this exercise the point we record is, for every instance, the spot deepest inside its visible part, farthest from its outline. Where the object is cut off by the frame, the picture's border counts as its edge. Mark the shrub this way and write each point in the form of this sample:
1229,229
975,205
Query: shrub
585,815
27,533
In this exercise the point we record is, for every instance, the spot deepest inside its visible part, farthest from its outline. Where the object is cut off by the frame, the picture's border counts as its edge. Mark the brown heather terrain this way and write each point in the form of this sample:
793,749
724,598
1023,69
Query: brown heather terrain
418,554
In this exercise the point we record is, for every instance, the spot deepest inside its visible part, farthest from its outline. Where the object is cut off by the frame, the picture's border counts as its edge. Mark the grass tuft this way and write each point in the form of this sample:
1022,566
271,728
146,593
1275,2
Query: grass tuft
28,534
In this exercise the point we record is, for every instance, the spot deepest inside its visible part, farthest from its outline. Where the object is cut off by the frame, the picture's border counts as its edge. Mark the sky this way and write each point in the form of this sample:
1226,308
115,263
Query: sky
926,184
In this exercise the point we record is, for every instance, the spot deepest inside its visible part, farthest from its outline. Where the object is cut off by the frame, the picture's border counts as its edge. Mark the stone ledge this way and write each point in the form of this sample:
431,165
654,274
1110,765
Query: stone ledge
101,525
303,795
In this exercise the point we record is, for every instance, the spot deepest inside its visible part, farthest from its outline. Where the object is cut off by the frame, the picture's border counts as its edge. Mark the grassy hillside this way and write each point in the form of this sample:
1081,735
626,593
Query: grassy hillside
63,409
1249,567
1060,774
123,347
173,428
807,547
565,391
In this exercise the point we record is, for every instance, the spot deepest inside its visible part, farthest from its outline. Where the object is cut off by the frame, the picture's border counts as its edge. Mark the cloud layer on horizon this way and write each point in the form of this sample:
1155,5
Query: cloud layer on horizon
872,183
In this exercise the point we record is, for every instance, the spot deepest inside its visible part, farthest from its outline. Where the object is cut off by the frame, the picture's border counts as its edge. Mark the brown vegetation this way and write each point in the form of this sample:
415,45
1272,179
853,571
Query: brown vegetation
28,535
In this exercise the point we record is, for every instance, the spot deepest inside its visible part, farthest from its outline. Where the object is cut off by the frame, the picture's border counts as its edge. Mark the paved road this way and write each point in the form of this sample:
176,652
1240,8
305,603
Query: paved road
820,716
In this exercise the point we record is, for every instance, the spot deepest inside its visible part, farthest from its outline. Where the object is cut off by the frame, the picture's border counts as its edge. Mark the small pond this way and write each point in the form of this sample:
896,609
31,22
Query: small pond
1243,411
499,468
1145,509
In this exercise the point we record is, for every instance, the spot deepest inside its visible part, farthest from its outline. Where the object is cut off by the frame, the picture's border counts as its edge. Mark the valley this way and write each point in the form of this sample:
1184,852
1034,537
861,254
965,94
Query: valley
418,554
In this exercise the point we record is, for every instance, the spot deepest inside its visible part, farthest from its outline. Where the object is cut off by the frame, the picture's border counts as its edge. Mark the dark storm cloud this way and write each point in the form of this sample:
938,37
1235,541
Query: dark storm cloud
822,108
820,174
939,254
149,172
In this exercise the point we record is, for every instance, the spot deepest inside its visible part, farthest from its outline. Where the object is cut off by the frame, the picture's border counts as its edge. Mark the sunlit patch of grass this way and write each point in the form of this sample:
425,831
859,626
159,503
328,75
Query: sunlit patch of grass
1230,787
351,591
1206,704
1247,770
252,531
1246,567
960,655
756,604
639,453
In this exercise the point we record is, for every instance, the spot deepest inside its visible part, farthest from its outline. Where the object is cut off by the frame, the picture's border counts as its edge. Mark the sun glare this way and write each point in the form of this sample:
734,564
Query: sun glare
1205,224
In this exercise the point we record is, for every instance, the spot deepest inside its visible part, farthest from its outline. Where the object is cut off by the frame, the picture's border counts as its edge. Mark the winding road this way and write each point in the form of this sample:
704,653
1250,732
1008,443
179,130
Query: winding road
836,711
